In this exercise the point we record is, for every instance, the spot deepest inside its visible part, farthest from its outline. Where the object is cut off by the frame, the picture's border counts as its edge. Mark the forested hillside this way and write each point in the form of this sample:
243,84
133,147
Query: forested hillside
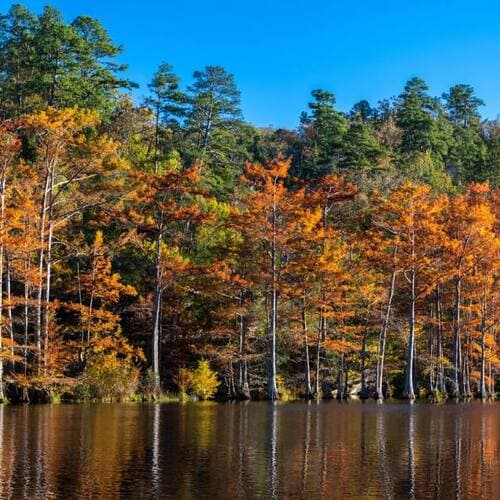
169,246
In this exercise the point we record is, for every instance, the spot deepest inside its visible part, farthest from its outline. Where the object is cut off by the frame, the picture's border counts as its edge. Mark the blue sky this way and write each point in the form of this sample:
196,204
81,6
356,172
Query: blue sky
281,50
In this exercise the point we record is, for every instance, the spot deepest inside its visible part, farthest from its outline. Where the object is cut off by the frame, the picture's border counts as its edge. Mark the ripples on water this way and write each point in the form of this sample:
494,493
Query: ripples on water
251,450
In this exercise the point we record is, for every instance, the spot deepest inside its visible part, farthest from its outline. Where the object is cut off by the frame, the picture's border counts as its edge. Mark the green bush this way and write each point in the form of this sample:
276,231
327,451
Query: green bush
184,380
110,378
204,381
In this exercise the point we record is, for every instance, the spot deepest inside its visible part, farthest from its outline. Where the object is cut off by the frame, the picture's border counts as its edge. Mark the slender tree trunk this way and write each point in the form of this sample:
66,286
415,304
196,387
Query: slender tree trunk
244,388
491,379
3,185
48,273
207,129
317,385
82,351
307,373
341,389
91,302
483,392
3,181
41,262
157,137
232,393
156,315
364,390
26,326
409,391
321,325
9,311
46,313
466,367
2,390
432,369
441,385
272,388
455,388
383,335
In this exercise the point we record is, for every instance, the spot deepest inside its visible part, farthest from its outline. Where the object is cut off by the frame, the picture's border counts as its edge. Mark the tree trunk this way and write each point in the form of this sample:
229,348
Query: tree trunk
9,311
244,388
2,390
409,391
272,388
157,137
431,343
483,392
466,367
156,317
441,385
364,390
321,336
48,258
26,326
341,390
491,379
46,312
307,373
2,252
41,261
455,388
322,322
383,336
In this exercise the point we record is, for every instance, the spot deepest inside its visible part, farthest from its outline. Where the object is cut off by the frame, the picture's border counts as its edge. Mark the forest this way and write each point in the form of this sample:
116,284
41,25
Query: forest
164,247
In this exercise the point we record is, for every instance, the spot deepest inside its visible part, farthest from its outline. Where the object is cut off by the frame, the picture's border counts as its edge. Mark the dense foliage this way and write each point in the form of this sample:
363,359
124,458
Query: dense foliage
170,245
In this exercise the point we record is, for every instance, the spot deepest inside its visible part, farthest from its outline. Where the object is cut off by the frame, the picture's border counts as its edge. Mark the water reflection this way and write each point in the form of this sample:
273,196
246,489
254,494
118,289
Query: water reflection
251,450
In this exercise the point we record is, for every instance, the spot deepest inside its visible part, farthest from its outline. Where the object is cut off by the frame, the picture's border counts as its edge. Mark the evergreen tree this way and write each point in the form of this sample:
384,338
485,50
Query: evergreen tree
468,149
45,61
323,134
214,106
167,102
425,132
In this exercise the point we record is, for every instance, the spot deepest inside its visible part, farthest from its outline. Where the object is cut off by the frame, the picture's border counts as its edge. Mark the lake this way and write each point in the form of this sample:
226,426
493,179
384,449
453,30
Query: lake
251,450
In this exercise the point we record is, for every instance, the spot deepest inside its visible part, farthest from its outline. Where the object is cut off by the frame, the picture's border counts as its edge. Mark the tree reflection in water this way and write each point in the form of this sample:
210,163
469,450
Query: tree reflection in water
251,450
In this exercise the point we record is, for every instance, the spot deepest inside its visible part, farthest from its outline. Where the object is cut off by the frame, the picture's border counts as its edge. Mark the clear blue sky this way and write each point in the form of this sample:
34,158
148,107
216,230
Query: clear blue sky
280,50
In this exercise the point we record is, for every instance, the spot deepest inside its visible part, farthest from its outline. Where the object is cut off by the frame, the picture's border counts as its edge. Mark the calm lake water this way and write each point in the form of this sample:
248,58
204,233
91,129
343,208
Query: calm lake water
251,450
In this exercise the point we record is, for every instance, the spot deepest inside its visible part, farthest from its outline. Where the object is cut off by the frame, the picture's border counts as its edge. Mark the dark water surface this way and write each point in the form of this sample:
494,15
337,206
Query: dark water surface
252,450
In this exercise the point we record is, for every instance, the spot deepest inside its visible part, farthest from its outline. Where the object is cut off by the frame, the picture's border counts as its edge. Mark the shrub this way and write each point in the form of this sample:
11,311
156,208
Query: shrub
149,386
82,392
284,392
204,381
184,380
110,378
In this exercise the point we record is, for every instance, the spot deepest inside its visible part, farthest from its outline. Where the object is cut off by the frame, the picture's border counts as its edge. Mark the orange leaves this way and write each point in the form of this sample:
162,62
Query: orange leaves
63,124
339,346
160,200
411,220
104,286
470,229
10,143
266,176
332,189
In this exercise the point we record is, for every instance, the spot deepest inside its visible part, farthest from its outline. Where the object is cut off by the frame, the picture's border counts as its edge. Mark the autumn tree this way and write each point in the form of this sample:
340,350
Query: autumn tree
76,173
261,221
158,207
469,239
9,148
412,219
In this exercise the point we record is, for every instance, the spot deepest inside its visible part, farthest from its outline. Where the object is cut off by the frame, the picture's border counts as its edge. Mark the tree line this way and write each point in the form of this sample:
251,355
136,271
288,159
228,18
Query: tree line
169,245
